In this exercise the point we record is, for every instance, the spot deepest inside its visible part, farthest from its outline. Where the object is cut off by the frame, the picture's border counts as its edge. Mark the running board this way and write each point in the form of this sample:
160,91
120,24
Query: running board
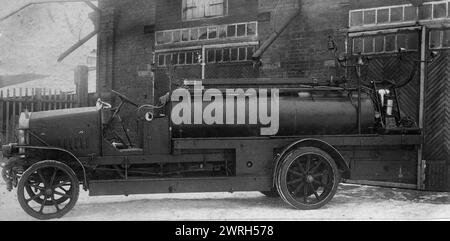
179,185
382,184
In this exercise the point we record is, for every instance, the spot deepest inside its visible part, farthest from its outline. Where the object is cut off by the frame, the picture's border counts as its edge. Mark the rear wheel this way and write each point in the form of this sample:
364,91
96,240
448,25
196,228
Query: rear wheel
307,178
48,189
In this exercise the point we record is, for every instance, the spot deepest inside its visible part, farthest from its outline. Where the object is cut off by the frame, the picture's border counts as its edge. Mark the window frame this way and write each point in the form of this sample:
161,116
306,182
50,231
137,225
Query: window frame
362,24
184,15
163,33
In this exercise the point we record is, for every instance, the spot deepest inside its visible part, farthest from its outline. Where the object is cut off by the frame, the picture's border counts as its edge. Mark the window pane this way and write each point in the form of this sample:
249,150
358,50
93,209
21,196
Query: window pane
410,13
161,60
369,17
241,30
242,53
159,37
368,44
356,18
231,30
182,58
175,58
440,10
212,32
185,35
223,31
357,45
435,39
251,29
194,34
197,57
383,15
234,54
202,33
397,14
176,36
379,44
446,40
250,53
211,55
168,37
189,58
425,11
218,55
390,43
226,55
401,41
413,41
168,59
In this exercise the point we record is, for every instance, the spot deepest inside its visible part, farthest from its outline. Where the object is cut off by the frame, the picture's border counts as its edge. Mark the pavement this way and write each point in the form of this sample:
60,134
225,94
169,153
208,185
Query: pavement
352,202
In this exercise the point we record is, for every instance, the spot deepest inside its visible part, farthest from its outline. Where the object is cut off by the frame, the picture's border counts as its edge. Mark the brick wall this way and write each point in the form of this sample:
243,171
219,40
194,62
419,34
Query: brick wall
132,49
300,51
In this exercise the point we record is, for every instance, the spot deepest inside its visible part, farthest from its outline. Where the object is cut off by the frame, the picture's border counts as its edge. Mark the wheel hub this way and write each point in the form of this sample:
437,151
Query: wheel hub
309,178
48,191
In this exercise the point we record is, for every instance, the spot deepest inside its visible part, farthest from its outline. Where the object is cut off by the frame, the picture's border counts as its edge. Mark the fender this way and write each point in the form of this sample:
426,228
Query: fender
85,183
311,142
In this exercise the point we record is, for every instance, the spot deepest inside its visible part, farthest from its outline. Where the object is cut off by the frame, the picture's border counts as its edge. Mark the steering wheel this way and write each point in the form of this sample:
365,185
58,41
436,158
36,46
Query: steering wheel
124,98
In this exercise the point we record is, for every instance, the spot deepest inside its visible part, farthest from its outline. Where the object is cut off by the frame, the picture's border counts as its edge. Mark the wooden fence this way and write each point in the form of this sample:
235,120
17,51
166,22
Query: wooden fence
16,100
13,101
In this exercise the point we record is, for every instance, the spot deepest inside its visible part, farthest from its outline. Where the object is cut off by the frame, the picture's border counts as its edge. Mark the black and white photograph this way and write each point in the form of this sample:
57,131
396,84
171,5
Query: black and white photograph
225,110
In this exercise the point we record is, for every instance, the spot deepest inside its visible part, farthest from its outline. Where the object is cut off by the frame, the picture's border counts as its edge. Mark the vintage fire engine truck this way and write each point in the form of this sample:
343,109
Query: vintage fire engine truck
320,129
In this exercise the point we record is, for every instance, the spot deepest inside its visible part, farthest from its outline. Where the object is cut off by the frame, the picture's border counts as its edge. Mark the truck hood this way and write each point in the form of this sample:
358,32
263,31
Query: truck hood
76,130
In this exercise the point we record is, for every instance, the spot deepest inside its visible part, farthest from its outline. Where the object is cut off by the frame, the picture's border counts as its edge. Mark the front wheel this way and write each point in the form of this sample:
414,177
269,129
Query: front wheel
48,189
308,178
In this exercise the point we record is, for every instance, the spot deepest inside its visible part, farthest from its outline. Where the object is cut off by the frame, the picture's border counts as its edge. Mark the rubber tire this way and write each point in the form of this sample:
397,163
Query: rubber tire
282,173
31,170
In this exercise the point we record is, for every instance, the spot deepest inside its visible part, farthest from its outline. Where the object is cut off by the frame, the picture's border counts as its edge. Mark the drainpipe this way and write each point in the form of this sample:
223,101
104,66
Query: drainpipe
276,33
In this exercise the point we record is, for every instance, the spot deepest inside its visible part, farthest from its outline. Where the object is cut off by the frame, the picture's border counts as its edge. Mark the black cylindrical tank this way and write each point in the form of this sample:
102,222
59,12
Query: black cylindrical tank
315,111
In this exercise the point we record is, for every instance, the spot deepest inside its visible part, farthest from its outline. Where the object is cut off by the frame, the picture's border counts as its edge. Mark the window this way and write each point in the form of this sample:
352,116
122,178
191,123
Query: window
389,43
446,39
223,31
369,17
185,35
194,34
383,15
379,44
357,45
197,9
176,36
368,44
356,18
178,58
213,32
231,30
240,30
425,11
203,33
251,29
396,14
410,13
440,10
225,55
440,39
386,43
435,39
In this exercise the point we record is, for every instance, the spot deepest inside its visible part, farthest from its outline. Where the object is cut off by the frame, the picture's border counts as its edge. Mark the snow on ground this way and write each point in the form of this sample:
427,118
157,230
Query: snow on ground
352,202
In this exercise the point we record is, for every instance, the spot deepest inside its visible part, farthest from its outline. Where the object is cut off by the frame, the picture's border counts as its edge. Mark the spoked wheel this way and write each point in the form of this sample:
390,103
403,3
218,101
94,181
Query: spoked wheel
307,178
48,189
